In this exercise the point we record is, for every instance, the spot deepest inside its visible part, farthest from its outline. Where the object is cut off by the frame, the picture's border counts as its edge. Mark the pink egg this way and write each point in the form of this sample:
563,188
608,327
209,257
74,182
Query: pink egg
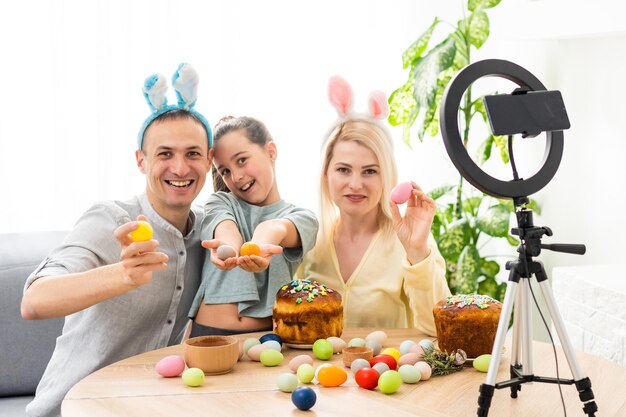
254,353
417,349
424,369
295,363
338,343
408,359
170,366
401,192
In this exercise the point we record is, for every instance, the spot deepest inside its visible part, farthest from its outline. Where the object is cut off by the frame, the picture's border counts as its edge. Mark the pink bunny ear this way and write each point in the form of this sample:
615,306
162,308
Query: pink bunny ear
379,108
340,94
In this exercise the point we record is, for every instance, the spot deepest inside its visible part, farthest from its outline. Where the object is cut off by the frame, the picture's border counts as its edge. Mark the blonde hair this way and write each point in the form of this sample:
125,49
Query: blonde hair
374,137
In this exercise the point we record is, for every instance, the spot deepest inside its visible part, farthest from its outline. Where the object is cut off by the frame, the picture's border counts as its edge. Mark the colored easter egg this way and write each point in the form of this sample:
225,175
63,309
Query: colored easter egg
405,346
375,345
322,349
426,344
408,359
271,357
271,336
425,370
254,352
377,335
225,251
142,233
287,382
357,341
170,366
417,349
249,342
317,370
332,376
389,382
381,367
305,373
367,378
481,363
193,377
359,363
250,248
401,192
272,344
388,359
338,343
295,363
391,352
303,397
410,374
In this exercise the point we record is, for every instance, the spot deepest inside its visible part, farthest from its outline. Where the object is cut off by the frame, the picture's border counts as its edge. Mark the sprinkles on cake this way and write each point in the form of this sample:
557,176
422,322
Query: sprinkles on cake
309,289
464,300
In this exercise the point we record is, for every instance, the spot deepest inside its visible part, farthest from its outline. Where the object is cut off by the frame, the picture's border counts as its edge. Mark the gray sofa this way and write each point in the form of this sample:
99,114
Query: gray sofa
25,346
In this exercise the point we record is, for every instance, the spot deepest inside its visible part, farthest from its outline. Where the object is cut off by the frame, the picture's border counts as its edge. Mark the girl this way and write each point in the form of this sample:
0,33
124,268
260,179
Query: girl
237,294
386,267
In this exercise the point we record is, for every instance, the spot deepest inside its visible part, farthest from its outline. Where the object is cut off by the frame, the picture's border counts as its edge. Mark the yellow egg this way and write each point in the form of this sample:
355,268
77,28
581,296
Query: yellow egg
392,352
142,233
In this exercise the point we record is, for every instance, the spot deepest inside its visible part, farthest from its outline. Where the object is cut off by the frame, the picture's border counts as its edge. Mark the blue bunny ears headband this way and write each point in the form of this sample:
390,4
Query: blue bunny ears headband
185,83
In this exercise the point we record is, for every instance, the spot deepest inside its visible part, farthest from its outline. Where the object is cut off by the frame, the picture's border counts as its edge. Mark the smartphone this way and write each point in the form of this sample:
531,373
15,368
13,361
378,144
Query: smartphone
528,113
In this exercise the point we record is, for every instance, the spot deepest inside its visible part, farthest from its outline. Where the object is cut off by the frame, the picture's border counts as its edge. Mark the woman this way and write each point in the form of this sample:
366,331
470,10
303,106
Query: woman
386,266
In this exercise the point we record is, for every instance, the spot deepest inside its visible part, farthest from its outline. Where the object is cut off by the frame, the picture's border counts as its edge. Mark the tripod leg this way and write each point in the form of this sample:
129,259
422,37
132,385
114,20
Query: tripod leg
516,353
486,390
583,383
527,320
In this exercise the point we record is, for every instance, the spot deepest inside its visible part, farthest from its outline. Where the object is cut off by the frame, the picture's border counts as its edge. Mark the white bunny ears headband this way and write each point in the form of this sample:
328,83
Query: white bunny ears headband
340,96
185,83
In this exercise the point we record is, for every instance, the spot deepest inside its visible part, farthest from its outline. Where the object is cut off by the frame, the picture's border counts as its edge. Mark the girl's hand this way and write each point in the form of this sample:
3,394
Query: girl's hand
224,265
258,263
413,229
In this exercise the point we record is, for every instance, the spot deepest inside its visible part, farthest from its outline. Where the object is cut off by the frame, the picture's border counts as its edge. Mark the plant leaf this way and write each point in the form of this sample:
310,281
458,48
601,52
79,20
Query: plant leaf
452,242
471,205
438,192
495,221
483,153
468,271
406,131
478,30
501,143
489,268
418,47
481,4
534,206
426,72
402,104
512,240
489,287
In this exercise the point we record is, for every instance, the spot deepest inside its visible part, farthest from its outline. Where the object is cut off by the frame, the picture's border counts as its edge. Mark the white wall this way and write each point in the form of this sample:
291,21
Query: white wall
72,73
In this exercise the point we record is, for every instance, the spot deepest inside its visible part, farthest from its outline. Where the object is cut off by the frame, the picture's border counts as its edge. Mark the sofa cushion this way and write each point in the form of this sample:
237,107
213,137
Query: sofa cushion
26,345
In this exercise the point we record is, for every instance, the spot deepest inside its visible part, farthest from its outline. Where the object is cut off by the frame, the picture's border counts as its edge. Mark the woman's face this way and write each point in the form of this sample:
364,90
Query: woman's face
247,168
354,179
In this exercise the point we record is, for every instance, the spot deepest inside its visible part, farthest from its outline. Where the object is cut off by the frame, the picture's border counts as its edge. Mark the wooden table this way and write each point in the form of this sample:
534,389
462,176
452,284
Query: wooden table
131,388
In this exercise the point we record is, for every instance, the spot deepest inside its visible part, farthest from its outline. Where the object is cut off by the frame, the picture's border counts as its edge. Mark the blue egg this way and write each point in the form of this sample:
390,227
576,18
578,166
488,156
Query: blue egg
271,336
303,398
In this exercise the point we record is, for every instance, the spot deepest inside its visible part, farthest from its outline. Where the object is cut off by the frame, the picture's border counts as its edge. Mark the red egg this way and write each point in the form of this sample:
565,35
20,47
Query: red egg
388,359
367,378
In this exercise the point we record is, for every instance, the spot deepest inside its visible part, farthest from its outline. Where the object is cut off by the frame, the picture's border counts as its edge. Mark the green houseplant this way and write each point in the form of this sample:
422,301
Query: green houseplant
465,218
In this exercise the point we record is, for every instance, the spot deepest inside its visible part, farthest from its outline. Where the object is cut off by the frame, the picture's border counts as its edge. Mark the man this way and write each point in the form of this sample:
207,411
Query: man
120,297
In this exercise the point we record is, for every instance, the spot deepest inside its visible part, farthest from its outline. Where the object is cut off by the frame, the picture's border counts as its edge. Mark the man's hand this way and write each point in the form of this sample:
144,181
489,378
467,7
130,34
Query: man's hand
138,259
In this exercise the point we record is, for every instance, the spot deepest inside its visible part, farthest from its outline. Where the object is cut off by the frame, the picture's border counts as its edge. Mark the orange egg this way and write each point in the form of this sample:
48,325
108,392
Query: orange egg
250,248
332,376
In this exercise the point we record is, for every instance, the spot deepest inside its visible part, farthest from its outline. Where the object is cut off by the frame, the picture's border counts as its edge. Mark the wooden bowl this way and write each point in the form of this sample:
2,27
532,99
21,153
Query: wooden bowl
350,353
215,355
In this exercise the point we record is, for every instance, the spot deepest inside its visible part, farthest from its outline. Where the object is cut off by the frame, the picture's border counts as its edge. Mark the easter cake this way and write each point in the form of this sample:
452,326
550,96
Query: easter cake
468,322
305,311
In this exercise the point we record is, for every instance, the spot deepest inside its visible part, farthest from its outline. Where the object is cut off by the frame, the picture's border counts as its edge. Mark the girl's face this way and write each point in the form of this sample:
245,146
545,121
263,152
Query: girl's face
354,179
247,168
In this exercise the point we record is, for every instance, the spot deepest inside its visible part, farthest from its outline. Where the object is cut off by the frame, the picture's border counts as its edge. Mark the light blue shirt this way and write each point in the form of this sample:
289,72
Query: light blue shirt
149,317
254,292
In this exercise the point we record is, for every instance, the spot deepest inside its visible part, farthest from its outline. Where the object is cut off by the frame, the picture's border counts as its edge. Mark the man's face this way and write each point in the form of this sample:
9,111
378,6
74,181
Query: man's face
175,159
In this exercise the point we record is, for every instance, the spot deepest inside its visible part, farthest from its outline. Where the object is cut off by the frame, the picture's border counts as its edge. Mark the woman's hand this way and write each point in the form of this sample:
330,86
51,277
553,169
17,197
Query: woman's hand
414,228
258,263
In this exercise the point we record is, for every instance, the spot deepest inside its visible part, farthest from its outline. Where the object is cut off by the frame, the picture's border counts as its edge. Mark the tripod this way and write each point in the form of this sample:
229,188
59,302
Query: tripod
521,355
